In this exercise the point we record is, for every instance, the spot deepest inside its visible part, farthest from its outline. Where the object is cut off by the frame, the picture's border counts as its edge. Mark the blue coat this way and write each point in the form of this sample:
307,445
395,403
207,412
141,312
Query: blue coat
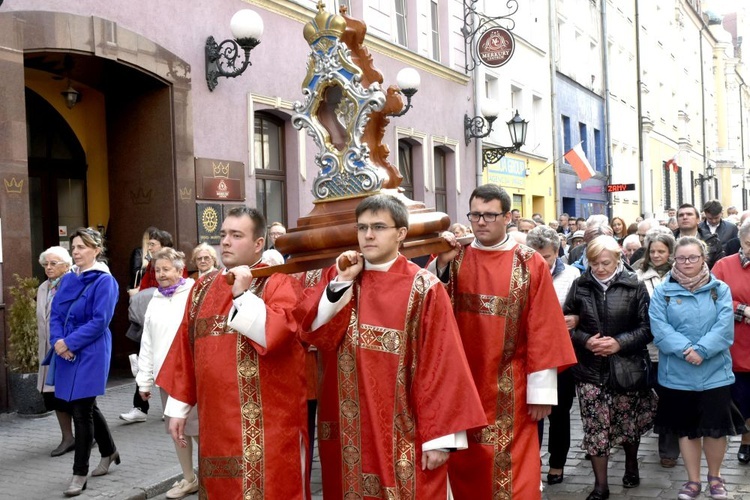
86,333
693,319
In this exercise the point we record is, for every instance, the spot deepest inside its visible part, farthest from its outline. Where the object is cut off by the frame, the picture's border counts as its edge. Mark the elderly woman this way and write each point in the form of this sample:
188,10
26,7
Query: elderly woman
56,262
612,333
79,331
691,317
163,317
656,263
735,272
546,242
205,260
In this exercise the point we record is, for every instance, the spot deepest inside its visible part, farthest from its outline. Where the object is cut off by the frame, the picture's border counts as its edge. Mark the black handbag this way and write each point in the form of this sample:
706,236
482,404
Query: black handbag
629,373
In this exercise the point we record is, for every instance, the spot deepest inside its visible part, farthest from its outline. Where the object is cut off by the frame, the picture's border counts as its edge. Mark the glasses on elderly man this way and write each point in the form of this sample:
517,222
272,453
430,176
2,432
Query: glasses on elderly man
204,258
51,263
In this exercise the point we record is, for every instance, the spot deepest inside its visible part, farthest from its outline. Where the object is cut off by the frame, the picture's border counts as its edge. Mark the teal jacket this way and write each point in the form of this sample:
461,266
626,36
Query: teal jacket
702,319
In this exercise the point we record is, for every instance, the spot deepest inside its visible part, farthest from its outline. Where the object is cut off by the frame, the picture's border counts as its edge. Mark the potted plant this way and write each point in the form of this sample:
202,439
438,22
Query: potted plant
22,357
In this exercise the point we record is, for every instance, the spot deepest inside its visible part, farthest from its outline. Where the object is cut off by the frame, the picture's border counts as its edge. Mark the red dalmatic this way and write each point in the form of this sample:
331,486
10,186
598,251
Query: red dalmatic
511,326
251,400
394,377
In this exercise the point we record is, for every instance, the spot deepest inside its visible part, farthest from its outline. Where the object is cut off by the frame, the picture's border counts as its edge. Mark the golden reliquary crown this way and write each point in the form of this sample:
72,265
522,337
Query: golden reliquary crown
324,24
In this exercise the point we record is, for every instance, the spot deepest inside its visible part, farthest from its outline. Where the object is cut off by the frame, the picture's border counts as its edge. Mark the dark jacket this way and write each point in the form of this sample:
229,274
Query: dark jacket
726,231
622,313
713,244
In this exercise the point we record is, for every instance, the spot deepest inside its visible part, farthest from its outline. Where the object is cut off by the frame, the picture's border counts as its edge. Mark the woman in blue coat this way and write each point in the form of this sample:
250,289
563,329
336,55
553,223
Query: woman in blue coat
79,332
692,323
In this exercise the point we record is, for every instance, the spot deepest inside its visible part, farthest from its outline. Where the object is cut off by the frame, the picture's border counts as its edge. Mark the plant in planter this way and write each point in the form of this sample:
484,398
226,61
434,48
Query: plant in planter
22,356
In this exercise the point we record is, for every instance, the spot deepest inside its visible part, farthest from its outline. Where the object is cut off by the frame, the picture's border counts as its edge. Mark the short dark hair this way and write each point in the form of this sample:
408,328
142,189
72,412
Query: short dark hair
489,192
564,214
162,237
688,205
259,221
385,203
515,210
713,207
580,219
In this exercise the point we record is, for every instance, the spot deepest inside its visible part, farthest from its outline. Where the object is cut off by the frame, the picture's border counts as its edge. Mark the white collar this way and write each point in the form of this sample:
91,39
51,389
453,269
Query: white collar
507,244
383,268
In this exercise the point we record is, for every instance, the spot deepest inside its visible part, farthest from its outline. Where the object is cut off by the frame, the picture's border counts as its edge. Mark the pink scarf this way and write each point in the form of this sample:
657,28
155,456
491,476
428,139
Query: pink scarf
697,281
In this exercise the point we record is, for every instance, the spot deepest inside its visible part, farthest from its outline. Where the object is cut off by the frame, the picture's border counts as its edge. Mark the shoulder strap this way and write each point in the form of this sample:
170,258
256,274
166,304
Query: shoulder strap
714,294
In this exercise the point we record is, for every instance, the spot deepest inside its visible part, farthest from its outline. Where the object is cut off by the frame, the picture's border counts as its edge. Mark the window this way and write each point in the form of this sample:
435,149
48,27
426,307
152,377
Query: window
435,30
566,133
270,176
345,3
401,22
583,137
405,167
598,151
441,195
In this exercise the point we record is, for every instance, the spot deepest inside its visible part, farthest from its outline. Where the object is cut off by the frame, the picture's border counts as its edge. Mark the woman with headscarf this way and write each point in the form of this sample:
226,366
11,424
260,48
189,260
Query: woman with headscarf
79,331
56,262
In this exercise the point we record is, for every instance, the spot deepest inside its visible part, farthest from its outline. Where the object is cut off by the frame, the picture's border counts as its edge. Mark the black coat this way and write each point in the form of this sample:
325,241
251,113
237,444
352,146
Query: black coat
621,312
726,231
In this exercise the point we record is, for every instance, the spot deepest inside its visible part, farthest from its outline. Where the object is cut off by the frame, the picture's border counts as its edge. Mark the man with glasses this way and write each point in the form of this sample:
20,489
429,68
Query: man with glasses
515,338
713,223
687,221
397,392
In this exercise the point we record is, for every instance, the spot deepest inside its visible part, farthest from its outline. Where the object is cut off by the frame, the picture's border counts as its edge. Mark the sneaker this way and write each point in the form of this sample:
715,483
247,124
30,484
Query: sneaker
183,488
716,489
134,415
133,364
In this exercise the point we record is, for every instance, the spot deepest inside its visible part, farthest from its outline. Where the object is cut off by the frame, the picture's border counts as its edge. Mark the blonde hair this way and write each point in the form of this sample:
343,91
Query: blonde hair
208,248
600,244
176,257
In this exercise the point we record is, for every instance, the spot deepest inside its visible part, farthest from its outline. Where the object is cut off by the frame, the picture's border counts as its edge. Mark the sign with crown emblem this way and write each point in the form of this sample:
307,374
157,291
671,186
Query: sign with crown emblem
219,180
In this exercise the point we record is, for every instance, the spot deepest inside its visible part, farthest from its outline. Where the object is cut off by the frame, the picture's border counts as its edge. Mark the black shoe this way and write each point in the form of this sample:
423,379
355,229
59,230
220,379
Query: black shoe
62,449
743,455
598,495
630,480
555,478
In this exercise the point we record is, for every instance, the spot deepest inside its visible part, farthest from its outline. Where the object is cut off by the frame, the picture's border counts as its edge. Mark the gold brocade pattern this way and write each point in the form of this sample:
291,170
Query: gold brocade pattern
356,484
251,406
220,467
500,435
197,295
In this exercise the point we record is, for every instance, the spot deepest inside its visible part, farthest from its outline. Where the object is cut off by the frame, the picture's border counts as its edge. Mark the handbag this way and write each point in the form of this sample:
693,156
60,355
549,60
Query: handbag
627,373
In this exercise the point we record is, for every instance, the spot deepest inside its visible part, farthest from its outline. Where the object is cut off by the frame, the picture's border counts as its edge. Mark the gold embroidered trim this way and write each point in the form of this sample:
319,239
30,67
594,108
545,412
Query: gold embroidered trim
328,431
349,410
197,295
220,467
251,410
381,339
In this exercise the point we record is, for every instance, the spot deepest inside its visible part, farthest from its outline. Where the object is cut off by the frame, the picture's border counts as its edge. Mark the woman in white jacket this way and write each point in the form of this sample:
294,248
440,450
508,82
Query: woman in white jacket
163,318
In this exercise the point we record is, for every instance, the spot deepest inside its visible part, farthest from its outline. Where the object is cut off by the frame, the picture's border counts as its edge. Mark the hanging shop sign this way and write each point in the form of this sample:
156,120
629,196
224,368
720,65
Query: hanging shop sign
495,47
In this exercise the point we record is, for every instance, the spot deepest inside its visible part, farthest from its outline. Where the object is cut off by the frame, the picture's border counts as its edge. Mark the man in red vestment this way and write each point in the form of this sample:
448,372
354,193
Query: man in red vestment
396,393
515,339
237,357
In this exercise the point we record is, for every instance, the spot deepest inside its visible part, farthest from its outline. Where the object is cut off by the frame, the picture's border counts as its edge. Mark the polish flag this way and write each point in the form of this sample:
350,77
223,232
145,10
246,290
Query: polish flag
673,163
581,165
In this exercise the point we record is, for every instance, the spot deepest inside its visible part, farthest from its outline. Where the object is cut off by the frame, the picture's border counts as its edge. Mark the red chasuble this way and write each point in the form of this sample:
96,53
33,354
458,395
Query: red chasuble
251,400
511,325
394,377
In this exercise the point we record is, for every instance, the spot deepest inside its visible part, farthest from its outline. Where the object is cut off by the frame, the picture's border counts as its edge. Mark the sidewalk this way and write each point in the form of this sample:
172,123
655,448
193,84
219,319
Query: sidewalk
149,466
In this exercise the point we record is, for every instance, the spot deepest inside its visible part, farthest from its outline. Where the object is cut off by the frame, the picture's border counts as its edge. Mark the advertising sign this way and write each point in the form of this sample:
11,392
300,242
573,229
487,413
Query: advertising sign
496,47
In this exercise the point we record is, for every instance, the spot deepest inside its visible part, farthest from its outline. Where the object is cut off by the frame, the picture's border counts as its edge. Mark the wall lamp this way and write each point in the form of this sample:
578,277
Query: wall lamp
517,128
481,126
408,81
703,178
224,59
71,96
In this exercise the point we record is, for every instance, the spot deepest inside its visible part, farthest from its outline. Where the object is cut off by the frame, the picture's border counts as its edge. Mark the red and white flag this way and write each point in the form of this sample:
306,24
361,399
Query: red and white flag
577,158
673,164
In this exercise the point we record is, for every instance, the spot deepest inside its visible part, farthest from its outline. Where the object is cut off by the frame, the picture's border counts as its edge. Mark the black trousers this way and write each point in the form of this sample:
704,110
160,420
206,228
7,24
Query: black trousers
558,443
89,424
669,443
139,402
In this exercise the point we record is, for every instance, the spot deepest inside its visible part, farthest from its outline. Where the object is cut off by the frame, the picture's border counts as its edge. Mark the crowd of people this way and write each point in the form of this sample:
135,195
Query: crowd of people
430,382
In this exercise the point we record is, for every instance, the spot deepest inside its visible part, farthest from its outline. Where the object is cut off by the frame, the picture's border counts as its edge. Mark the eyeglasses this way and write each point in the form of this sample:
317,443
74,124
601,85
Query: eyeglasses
201,259
275,235
692,259
487,216
52,264
376,228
